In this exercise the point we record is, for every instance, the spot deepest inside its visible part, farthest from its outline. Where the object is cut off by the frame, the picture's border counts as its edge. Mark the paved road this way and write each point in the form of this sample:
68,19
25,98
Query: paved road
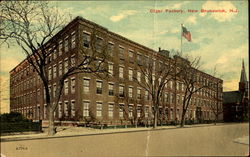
198,141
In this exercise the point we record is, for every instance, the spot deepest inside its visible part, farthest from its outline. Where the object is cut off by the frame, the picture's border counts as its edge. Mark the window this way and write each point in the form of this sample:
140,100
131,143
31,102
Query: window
66,44
111,109
178,114
50,73
73,112
139,76
171,113
130,110
172,98
98,109
73,40
85,108
54,71
146,78
153,65
111,48
146,111
98,44
99,87
38,92
131,56
121,53
171,84
153,79
60,48
49,91
165,97
45,111
73,61
86,39
130,92
60,68
121,69
99,64
66,87
86,82
121,108
55,53
66,65
121,90
66,108
111,69
54,90
139,59
146,95
130,74
138,93
111,88
138,110
73,84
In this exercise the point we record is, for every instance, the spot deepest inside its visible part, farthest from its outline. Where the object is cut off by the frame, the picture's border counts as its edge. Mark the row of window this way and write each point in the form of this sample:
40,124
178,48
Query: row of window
67,109
61,68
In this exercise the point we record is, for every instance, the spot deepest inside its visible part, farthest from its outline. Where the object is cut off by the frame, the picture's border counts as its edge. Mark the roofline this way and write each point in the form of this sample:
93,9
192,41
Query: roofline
79,18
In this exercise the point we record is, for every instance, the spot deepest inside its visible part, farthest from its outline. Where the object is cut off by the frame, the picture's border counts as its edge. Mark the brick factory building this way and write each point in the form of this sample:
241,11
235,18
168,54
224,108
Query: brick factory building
88,98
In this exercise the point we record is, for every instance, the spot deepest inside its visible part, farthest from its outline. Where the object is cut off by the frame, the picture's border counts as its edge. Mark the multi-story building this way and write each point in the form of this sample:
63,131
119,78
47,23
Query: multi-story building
87,98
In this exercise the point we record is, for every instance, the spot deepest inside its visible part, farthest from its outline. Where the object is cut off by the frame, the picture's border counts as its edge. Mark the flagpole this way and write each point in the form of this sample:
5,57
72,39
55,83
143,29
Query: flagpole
181,38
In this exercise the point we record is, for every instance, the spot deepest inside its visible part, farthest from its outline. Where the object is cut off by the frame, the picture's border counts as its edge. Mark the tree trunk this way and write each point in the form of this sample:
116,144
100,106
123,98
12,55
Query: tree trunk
215,120
182,119
155,119
51,130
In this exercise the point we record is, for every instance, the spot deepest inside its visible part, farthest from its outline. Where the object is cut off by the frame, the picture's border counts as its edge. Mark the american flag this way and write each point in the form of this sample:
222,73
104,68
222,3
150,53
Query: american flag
185,33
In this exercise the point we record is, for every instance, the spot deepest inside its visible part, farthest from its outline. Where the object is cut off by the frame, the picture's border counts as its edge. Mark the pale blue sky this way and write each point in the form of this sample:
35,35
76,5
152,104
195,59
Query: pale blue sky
219,38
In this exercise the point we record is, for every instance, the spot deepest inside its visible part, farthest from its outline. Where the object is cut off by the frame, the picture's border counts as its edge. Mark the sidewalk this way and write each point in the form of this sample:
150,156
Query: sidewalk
67,131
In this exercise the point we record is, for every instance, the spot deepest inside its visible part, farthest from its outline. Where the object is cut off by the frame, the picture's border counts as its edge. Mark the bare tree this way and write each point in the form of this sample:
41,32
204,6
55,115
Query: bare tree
155,74
31,24
189,75
93,61
215,94
132,113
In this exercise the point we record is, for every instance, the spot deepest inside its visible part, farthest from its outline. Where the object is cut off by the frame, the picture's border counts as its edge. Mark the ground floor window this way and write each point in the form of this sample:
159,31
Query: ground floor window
66,108
60,110
73,112
85,108
98,109
130,110
121,110
138,111
111,110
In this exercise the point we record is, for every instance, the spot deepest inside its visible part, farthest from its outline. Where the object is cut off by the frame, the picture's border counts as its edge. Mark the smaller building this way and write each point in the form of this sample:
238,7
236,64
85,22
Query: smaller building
236,103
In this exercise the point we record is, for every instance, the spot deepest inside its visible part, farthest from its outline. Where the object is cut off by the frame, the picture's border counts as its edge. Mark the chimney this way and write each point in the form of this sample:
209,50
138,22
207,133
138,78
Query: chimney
159,49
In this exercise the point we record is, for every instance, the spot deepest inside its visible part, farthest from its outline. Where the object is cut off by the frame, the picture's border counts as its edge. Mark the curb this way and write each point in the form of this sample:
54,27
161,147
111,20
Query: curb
104,133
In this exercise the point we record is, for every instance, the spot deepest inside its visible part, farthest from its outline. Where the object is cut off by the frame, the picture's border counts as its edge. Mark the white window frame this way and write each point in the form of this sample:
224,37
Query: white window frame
99,107
86,104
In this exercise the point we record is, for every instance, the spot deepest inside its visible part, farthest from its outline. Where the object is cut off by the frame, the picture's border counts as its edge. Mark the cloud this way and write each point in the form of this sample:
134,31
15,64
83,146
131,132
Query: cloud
94,10
178,5
191,20
219,16
230,85
174,6
122,15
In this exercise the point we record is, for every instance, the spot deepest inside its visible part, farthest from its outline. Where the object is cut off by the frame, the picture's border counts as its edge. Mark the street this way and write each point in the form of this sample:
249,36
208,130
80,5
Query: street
193,141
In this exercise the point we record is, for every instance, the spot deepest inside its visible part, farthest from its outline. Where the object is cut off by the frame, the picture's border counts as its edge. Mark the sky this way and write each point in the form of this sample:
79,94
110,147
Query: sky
219,38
